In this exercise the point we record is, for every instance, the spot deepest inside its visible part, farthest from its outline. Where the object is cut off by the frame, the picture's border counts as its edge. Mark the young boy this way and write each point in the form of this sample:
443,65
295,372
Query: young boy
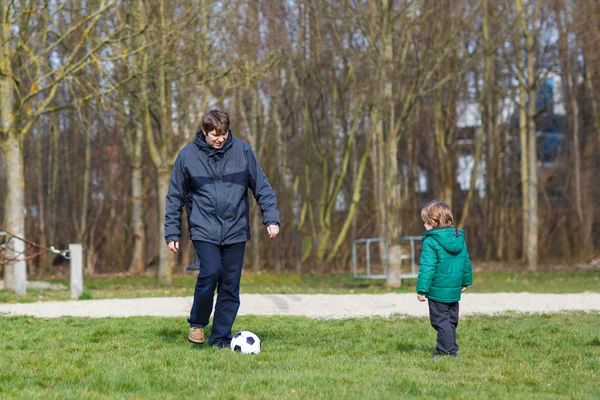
444,273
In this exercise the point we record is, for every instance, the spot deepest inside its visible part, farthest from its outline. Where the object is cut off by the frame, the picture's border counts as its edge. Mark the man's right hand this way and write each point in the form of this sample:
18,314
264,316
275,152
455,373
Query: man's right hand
174,246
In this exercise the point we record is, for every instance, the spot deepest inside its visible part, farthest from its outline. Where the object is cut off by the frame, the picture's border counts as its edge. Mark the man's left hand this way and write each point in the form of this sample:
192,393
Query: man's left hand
273,230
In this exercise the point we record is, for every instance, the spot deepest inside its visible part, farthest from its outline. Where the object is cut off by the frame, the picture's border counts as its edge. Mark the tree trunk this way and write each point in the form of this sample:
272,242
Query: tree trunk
379,160
353,209
524,167
280,147
138,262
87,173
443,155
52,204
15,275
187,253
524,137
90,256
394,267
377,167
165,256
256,230
473,180
595,103
589,148
511,245
569,88
158,151
502,227
393,194
251,123
390,171
45,259
493,219
532,190
576,149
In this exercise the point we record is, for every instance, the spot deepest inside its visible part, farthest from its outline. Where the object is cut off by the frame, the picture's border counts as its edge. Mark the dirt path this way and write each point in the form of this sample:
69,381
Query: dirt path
311,305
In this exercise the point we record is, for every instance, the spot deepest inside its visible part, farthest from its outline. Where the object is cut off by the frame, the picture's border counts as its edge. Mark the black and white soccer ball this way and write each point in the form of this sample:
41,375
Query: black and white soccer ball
245,342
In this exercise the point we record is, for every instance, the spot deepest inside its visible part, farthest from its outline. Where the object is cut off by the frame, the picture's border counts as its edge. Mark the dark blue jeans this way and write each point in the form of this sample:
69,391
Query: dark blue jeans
221,269
444,319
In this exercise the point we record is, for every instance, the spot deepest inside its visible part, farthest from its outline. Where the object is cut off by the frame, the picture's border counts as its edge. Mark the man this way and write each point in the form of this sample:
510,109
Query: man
211,177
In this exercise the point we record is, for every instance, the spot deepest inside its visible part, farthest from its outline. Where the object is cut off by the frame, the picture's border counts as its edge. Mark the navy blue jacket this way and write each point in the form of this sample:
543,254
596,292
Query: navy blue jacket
213,185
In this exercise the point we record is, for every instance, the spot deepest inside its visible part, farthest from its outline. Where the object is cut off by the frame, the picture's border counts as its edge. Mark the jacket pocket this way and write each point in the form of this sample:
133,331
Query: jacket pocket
192,217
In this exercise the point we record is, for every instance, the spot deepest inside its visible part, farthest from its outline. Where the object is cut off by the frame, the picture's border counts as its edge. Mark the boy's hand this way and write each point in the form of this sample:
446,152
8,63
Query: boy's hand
421,298
463,289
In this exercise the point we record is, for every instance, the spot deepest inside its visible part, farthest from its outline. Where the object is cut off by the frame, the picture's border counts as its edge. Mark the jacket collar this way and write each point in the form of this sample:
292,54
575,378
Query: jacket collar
208,149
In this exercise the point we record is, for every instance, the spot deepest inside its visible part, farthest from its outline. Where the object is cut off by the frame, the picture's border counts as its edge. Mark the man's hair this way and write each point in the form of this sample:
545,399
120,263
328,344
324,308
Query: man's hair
439,212
215,120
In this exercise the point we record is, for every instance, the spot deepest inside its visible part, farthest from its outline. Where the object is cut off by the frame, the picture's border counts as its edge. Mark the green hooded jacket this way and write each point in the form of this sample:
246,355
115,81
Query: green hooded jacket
445,265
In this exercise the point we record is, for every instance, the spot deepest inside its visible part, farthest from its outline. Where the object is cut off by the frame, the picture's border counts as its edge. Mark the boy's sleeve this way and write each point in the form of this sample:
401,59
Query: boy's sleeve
467,271
178,190
426,267
262,191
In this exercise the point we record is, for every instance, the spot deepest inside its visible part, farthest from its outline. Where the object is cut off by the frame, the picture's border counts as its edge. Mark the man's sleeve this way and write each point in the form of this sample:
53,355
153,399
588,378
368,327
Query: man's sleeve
176,198
262,191
426,267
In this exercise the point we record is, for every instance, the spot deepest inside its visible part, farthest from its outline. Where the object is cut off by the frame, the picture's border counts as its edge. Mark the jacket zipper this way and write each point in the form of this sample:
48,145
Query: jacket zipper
216,197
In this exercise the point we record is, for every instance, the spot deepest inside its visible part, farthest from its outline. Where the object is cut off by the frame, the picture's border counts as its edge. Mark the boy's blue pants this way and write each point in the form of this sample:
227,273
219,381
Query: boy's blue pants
221,269
444,319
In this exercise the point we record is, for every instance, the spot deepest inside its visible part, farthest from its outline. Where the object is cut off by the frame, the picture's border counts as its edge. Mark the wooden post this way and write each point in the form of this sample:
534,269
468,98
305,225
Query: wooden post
76,255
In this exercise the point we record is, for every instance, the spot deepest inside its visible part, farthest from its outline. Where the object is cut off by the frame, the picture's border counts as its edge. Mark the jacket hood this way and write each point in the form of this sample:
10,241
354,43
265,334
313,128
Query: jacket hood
200,141
451,239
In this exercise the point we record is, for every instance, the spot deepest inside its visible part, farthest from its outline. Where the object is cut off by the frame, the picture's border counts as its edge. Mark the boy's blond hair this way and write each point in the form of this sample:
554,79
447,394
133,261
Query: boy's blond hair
438,211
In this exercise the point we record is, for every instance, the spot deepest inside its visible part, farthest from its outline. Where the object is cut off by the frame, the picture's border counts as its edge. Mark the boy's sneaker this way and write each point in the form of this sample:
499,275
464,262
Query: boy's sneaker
196,335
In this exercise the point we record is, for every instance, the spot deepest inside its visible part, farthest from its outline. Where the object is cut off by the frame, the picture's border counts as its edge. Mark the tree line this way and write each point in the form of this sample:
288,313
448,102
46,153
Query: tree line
358,110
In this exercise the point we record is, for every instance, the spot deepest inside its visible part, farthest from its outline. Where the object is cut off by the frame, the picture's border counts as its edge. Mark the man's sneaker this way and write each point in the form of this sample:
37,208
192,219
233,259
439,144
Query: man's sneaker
196,335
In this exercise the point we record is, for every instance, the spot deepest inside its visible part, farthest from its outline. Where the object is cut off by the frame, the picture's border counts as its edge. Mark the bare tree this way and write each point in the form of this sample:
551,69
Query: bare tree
34,61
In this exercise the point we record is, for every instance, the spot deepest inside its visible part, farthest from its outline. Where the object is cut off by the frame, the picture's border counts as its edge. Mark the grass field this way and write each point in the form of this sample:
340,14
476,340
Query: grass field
575,281
509,356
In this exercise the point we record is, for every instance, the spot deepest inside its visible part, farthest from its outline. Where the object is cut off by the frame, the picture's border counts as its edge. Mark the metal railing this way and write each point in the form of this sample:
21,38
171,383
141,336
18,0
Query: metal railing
368,275
413,265
368,242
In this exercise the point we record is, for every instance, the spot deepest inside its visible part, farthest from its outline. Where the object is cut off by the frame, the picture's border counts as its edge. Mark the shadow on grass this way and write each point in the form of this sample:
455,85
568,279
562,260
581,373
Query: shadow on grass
413,348
595,342
360,286
181,336
172,335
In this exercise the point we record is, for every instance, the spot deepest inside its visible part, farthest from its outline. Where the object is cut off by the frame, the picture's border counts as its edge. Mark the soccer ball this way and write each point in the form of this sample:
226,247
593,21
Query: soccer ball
245,342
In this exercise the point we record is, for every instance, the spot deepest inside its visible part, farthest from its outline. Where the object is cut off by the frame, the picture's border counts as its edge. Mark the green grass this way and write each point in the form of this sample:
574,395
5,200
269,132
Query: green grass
575,281
508,356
